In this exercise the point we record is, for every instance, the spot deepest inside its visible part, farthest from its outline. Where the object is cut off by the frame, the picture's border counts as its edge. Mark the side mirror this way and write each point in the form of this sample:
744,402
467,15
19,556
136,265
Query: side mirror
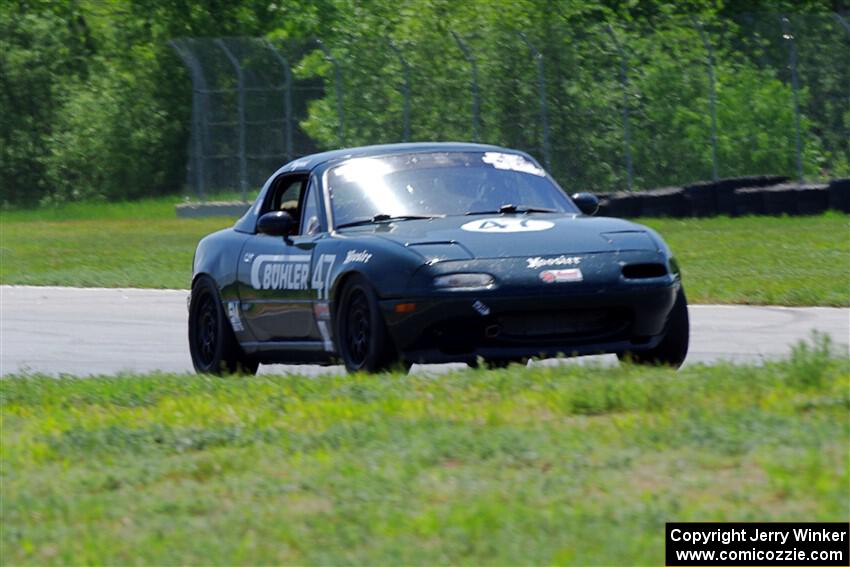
587,203
276,223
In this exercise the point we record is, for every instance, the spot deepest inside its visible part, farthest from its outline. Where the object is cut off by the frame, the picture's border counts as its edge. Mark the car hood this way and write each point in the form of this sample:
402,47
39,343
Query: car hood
504,236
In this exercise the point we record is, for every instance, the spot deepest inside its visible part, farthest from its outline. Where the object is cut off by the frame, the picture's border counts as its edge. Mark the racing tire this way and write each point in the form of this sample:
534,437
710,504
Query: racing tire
363,343
212,344
673,348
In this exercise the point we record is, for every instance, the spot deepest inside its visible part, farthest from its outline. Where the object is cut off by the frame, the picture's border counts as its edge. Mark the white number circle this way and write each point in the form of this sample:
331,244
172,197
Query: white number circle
507,224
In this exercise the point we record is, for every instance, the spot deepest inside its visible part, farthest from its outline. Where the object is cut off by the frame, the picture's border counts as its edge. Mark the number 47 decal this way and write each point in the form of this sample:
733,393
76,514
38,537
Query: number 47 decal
321,279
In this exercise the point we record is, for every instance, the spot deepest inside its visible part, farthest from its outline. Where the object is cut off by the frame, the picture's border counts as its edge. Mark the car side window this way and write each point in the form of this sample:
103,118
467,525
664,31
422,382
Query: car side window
310,223
286,195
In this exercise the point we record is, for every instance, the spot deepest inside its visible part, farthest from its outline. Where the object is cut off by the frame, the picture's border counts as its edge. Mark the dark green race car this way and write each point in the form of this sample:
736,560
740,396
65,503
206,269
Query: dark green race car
405,253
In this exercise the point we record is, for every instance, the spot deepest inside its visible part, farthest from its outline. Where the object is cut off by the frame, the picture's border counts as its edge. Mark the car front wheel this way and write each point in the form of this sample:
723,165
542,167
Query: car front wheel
362,339
673,348
212,344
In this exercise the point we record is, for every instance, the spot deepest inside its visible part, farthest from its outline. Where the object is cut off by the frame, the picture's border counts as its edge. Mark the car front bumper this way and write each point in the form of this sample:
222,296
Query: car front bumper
459,327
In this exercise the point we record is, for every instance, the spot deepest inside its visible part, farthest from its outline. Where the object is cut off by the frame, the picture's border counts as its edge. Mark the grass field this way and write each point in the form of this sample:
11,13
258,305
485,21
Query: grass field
563,465
139,244
757,260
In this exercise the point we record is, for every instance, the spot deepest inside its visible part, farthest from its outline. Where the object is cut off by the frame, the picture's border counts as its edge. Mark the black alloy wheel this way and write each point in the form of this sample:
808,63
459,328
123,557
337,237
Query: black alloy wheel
212,344
363,342
673,348
207,334
358,328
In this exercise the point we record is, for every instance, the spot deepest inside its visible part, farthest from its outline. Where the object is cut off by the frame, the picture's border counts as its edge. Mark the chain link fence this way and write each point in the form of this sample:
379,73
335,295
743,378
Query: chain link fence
246,110
604,107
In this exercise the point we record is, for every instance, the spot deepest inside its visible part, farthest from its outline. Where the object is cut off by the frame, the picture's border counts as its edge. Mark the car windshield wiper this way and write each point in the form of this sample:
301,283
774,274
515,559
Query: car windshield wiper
511,208
383,218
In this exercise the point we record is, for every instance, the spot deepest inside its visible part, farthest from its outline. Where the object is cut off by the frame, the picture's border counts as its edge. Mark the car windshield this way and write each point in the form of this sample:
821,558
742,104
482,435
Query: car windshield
436,184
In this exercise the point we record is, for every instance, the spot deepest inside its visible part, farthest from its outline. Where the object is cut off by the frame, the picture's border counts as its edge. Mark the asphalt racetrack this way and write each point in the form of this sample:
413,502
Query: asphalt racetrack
85,331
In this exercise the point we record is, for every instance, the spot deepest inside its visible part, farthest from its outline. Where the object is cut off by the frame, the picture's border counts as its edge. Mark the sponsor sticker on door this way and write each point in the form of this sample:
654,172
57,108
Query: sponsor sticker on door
280,271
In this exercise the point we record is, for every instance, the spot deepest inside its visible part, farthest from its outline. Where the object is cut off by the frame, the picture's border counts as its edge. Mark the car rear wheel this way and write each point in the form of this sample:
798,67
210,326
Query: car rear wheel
363,342
212,344
673,348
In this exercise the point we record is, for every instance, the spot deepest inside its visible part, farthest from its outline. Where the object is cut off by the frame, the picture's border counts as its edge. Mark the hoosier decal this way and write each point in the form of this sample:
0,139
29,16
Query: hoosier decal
538,262
360,256
280,271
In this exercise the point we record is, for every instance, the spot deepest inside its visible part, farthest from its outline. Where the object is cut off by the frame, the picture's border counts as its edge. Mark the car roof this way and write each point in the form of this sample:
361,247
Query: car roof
310,162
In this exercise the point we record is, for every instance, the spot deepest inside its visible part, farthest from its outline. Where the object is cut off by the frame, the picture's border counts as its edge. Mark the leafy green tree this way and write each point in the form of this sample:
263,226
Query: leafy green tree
667,92
94,103
39,52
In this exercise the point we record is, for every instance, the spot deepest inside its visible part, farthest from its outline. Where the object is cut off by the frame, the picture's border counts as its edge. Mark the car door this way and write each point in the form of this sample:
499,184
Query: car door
275,287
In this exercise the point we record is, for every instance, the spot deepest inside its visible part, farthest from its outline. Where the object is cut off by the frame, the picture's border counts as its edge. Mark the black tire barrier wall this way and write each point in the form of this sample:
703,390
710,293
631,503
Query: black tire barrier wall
758,195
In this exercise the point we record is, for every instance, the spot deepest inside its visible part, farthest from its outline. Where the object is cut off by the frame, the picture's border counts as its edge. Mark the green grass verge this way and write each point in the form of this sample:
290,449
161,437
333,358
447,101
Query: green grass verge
762,260
757,260
132,244
160,208
514,467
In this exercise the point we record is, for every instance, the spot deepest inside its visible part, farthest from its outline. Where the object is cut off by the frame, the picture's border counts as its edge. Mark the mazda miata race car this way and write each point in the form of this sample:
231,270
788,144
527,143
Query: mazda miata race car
424,253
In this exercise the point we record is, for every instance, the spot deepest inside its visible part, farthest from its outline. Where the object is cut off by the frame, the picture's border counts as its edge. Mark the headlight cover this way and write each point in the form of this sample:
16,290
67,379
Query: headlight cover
464,282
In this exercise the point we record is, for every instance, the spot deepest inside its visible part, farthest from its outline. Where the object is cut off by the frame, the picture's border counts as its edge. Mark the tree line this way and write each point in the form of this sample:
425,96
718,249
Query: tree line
94,103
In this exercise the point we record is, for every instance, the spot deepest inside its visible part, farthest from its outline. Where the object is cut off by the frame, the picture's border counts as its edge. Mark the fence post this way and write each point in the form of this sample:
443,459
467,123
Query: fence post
541,88
340,111
240,112
287,101
788,36
467,54
712,96
199,88
624,81
405,89
842,22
